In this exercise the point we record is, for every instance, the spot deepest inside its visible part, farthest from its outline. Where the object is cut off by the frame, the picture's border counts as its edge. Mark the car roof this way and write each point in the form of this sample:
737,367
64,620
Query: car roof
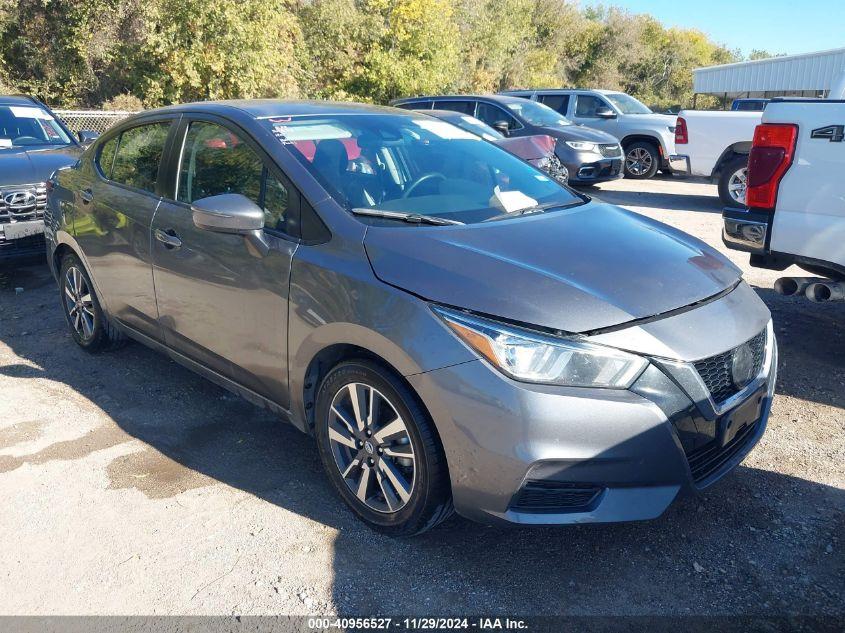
17,100
560,91
265,108
493,98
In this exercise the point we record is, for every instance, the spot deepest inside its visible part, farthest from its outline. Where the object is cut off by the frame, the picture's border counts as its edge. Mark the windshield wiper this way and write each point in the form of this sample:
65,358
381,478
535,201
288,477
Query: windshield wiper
540,208
411,218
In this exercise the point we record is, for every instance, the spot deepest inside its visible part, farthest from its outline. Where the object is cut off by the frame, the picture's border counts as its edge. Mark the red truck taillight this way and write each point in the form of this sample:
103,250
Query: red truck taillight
771,155
681,136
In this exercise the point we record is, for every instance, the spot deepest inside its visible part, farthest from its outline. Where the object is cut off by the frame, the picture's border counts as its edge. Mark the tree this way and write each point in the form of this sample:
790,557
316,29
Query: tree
216,49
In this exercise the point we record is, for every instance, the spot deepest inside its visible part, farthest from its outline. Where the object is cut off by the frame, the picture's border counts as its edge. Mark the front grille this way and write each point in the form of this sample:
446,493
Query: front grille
610,150
24,210
555,496
710,458
24,247
716,370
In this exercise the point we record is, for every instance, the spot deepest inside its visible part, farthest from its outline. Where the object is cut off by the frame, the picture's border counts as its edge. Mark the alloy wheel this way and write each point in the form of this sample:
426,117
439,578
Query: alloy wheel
737,184
371,447
79,303
638,161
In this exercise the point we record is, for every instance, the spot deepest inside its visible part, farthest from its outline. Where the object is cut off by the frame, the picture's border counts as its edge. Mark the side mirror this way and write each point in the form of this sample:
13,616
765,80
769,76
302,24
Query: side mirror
227,213
86,137
502,126
605,113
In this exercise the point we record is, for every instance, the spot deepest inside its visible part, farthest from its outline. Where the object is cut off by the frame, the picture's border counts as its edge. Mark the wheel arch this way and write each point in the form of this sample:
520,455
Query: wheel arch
642,137
742,148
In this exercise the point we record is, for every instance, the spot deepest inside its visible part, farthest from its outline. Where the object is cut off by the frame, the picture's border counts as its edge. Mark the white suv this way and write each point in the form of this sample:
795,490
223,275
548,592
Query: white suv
647,138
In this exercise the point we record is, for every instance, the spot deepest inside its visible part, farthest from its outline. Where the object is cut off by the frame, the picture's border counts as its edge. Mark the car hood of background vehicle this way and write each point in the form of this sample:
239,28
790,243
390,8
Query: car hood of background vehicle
527,147
655,120
574,270
29,166
577,133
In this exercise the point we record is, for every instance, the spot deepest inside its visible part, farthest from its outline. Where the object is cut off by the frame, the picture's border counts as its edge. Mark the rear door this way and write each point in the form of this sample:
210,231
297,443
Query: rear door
557,102
114,214
223,302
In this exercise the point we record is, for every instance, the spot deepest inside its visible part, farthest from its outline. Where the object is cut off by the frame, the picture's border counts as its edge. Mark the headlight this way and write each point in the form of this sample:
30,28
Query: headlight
582,146
531,357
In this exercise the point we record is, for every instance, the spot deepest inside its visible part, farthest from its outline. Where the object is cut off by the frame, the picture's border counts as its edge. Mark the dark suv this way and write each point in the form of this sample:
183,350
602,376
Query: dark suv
590,155
33,144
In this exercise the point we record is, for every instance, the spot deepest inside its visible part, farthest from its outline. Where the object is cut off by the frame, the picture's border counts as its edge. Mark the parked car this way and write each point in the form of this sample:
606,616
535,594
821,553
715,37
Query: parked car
33,144
715,145
454,328
590,156
539,150
749,105
648,139
796,197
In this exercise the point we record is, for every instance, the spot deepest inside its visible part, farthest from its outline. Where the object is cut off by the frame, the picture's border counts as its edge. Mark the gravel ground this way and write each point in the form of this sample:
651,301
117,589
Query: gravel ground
128,485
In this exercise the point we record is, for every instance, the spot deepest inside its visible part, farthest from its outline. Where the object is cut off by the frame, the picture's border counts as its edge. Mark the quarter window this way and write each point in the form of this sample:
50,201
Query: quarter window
215,161
105,159
138,156
464,107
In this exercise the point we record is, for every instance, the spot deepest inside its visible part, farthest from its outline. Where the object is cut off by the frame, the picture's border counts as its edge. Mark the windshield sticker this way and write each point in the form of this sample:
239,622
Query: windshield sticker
29,113
5,143
316,132
541,178
511,201
445,130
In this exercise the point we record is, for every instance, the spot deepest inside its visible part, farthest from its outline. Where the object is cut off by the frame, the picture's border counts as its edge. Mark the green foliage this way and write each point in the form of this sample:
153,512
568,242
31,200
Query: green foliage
128,53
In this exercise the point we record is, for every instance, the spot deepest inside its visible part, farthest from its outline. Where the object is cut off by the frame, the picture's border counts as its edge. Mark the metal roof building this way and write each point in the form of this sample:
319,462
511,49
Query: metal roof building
806,75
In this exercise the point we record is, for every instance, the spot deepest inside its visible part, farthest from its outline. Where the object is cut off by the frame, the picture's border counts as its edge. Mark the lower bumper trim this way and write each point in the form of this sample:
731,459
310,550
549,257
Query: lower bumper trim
745,235
679,165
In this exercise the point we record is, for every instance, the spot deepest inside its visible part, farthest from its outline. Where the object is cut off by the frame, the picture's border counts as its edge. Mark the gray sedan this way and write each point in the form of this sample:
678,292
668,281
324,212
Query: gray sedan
456,329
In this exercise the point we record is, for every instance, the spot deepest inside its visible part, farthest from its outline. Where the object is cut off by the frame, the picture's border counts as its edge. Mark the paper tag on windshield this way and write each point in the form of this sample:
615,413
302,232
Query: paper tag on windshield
23,112
511,201
5,143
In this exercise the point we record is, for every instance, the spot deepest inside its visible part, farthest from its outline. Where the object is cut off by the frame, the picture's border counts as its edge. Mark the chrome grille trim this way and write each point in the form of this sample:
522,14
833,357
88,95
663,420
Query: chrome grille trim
31,212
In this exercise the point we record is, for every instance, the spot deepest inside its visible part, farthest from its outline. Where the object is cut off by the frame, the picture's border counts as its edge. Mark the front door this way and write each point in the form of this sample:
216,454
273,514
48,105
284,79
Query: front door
585,114
222,301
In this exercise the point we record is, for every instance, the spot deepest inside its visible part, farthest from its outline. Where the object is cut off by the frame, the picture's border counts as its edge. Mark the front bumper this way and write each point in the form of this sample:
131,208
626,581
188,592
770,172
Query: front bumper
599,455
589,167
25,247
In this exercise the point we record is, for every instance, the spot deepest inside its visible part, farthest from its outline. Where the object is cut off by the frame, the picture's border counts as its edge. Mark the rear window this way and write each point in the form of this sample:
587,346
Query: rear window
138,156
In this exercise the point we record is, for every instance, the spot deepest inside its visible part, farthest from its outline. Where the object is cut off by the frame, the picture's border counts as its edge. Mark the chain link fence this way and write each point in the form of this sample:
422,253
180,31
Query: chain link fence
94,120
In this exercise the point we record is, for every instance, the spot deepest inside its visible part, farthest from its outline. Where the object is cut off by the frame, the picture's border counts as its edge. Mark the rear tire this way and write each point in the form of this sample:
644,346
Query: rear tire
733,182
642,159
89,326
380,449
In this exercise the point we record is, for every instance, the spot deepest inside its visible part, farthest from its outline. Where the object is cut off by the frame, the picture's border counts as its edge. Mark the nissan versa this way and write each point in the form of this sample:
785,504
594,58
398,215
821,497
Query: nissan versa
455,328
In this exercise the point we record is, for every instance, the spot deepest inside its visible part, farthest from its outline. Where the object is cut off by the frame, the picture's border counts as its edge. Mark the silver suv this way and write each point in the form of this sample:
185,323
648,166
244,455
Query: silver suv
454,327
648,139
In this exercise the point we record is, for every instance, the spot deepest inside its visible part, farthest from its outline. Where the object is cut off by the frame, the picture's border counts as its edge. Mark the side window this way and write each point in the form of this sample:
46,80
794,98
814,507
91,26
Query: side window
559,103
105,157
464,107
138,156
587,105
492,114
215,160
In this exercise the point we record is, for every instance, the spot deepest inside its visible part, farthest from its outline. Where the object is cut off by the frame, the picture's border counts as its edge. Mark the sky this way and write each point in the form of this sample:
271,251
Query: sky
777,26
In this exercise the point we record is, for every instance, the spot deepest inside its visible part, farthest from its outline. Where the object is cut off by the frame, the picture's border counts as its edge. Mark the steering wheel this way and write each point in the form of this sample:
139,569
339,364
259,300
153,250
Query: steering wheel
422,179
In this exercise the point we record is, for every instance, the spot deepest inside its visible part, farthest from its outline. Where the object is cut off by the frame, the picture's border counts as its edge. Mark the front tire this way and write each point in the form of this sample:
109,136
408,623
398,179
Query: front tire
733,182
380,449
88,324
642,160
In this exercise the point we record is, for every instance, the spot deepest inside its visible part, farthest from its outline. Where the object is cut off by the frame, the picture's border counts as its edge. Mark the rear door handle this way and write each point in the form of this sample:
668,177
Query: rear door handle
168,238
87,196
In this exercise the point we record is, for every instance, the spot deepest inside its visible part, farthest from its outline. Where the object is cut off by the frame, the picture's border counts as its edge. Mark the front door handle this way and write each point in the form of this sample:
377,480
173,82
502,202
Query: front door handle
87,196
168,238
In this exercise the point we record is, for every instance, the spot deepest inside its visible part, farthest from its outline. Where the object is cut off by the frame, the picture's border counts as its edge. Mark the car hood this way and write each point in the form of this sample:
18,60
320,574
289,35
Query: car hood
26,167
531,147
577,133
661,121
574,270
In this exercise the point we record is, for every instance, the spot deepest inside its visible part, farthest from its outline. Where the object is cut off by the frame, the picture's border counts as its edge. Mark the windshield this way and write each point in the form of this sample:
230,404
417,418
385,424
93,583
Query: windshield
23,126
626,104
538,114
415,164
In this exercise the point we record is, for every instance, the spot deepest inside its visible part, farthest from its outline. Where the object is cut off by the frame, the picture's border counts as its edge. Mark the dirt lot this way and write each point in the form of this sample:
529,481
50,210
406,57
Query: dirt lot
129,485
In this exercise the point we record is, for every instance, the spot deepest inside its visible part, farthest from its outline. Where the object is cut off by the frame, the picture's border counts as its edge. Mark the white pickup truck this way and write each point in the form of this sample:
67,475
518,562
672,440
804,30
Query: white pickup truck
715,145
796,197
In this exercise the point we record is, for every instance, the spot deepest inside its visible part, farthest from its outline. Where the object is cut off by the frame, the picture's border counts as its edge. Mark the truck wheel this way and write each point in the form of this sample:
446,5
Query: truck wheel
733,182
641,160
